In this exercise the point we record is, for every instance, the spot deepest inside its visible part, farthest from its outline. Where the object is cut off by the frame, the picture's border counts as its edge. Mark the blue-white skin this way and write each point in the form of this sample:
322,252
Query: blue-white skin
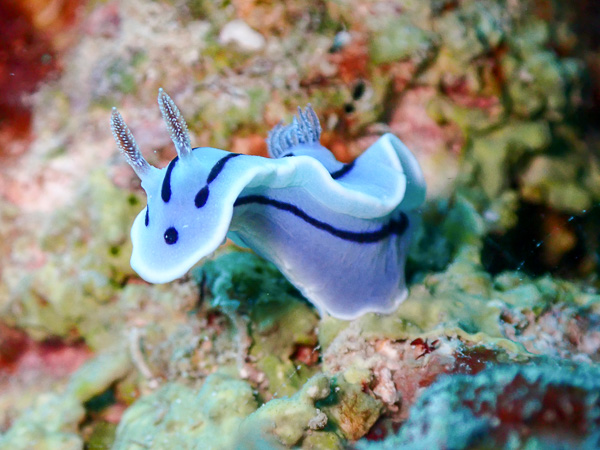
339,232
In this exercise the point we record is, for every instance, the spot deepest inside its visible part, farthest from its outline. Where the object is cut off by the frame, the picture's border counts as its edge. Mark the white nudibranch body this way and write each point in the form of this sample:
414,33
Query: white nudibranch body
339,232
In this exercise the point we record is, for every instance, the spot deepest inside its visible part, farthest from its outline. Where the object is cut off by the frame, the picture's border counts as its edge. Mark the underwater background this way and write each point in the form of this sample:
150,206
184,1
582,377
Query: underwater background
498,343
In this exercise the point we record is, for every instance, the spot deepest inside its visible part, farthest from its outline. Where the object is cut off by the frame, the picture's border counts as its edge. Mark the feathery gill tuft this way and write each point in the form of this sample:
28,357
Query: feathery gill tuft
304,129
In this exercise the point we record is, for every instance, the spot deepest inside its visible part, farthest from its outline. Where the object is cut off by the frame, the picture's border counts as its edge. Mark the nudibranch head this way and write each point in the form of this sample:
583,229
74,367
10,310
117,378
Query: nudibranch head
339,232
166,233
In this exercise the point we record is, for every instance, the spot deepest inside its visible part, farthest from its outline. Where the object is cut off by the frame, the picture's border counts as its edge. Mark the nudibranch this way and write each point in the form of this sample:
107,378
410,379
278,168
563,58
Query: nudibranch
338,232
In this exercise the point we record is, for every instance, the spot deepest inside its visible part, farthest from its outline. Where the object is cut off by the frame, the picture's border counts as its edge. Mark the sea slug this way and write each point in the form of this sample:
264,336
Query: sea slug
339,232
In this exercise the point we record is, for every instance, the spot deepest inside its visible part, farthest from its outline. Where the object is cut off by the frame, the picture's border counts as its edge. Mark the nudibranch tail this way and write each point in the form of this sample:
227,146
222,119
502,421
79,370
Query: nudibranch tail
304,129
127,145
175,123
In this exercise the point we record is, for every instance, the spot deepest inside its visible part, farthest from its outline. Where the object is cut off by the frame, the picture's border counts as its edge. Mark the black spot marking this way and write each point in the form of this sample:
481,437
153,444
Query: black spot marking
359,90
218,167
147,218
165,192
171,236
397,227
343,171
201,197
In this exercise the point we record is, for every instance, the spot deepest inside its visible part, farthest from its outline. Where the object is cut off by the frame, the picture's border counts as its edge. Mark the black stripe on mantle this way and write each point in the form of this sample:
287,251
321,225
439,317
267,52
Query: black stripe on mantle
394,226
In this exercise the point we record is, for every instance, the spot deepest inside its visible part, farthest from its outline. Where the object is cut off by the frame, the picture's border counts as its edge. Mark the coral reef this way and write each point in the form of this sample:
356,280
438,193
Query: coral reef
178,416
53,420
500,335
542,406
273,323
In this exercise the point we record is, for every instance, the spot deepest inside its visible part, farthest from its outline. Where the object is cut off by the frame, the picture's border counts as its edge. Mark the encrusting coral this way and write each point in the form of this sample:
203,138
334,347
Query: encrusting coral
489,97
543,406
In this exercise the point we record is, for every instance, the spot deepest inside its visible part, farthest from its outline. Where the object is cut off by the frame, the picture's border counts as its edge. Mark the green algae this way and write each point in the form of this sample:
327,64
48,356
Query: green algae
87,248
95,376
472,30
260,302
351,410
549,178
53,421
216,11
241,280
50,424
400,39
283,423
177,416
509,93
101,436
241,109
446,226
223,414
121,75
